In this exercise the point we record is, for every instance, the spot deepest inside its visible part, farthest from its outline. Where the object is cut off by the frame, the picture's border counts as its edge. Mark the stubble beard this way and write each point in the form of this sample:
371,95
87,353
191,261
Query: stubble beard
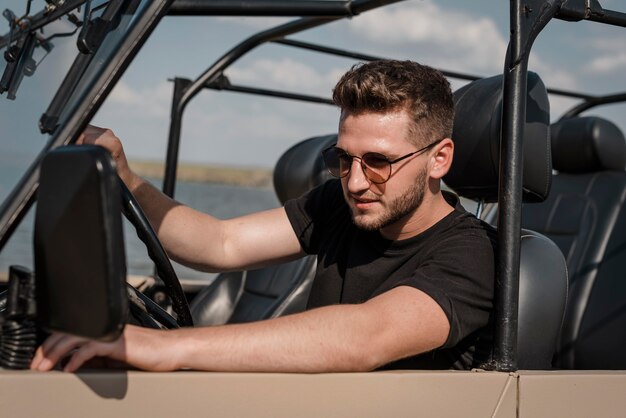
399,208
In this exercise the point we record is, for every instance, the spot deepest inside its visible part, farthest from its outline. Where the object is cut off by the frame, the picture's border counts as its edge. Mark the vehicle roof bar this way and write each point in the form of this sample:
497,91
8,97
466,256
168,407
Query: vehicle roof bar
356,55
594,101
590,10
260,8
593,11
570,94
188,92
527,19
223,83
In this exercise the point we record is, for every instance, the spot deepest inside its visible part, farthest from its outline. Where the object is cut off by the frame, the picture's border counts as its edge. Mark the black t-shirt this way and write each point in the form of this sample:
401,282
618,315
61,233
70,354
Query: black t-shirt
452,262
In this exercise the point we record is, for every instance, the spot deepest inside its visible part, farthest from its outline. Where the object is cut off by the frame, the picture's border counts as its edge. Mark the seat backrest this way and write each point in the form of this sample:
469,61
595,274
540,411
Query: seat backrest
585,215
253,295
474,174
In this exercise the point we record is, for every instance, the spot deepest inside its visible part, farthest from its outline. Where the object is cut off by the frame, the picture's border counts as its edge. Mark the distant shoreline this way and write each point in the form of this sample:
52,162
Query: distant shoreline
233,176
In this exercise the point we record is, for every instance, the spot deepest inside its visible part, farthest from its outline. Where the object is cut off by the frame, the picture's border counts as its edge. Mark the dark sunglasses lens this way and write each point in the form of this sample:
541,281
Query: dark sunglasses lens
337,162
377,167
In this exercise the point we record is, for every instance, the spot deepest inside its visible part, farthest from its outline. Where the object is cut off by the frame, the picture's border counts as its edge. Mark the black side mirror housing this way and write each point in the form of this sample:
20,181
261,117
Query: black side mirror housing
80,264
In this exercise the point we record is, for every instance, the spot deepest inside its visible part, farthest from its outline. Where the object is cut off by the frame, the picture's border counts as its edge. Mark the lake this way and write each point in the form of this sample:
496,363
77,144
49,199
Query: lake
221,201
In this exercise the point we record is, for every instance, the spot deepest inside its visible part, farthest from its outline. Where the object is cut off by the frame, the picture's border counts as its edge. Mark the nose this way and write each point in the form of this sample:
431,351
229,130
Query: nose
357,181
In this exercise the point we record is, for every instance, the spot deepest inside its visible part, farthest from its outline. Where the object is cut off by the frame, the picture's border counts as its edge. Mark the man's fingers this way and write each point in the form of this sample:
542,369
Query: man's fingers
47,345
58,346
80,356
52,352
94,130
94,134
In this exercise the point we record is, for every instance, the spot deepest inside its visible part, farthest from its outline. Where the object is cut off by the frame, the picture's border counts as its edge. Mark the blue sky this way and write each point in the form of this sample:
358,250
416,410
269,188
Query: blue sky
234,129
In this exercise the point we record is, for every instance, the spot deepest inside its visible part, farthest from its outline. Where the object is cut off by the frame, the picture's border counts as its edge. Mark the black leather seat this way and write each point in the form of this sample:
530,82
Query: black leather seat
474,174
253,295
585,214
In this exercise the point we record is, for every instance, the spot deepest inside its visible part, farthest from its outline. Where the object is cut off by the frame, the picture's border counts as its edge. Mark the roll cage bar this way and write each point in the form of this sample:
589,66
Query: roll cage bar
527,19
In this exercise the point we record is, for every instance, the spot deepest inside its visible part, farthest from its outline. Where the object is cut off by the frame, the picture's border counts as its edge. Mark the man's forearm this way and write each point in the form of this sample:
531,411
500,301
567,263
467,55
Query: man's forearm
399,323
189,237
335,338
205,243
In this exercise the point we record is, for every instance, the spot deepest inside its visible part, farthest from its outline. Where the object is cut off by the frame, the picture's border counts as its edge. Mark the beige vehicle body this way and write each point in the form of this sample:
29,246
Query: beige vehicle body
519,394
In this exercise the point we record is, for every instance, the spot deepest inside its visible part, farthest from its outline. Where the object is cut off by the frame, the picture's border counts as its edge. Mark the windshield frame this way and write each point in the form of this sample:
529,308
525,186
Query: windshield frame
74,120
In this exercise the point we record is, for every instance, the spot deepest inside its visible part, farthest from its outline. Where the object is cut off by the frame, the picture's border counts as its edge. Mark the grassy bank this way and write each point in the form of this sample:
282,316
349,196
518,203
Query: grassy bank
235,176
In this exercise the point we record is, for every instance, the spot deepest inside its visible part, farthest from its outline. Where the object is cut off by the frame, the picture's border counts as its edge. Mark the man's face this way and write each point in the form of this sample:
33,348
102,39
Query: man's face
377,206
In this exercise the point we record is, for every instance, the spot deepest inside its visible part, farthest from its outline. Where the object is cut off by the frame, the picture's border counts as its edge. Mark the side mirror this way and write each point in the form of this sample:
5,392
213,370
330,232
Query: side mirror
80,265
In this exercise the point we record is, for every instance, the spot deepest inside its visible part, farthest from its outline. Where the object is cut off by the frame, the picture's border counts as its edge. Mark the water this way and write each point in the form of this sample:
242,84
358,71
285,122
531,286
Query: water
221,201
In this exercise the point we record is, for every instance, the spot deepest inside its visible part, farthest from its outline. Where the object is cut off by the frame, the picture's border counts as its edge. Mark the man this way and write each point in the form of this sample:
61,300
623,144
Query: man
404,275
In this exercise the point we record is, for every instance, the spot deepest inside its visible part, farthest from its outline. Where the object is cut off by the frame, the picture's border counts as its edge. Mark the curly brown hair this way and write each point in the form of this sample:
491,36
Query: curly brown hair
390,85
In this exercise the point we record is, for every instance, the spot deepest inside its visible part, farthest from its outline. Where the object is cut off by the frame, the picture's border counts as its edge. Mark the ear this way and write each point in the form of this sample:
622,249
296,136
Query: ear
441,158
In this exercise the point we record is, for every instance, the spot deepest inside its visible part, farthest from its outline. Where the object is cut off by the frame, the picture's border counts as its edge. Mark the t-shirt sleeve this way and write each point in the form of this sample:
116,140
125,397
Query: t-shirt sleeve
309,213
458,275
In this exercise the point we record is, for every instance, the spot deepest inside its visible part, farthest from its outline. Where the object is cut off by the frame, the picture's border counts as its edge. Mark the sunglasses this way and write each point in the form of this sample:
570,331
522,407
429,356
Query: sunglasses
376,167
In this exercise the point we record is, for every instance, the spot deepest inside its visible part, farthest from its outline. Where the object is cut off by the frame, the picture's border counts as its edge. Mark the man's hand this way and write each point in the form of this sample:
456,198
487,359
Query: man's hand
137,347
103,137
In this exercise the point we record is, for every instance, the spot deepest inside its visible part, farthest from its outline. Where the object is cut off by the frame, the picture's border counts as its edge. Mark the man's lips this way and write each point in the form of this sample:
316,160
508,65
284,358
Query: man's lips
363,202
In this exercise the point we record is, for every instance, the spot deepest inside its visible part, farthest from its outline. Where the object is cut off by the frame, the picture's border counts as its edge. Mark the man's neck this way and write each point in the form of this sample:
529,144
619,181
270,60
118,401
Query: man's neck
434,208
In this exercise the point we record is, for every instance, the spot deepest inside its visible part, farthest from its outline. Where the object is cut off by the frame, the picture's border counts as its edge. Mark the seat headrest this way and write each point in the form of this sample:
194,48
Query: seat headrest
301,167
477,134
587,144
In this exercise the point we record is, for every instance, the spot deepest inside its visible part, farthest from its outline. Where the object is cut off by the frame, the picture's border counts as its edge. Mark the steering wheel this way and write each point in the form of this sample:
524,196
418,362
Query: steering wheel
17,349
165,270
144,310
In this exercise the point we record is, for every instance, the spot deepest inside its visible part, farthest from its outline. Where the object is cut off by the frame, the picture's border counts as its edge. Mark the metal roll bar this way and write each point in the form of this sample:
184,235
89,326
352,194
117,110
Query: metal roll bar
594,101
528,18
261,8
188,92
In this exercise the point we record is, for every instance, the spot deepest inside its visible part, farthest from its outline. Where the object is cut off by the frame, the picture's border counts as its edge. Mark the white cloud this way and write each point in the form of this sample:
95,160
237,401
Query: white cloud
286,74
254,131
609,55
614,43
152,101
609,63
451,38
552,75
140,116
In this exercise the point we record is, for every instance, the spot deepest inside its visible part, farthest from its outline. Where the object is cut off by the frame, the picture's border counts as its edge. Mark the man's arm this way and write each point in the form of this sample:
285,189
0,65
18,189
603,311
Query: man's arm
197,239
399,323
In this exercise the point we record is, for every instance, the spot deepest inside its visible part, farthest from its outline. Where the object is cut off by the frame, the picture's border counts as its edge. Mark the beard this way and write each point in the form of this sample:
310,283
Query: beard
399,208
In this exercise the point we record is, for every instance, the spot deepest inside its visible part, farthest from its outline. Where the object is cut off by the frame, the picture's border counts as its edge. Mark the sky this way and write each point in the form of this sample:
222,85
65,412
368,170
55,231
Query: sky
234,129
